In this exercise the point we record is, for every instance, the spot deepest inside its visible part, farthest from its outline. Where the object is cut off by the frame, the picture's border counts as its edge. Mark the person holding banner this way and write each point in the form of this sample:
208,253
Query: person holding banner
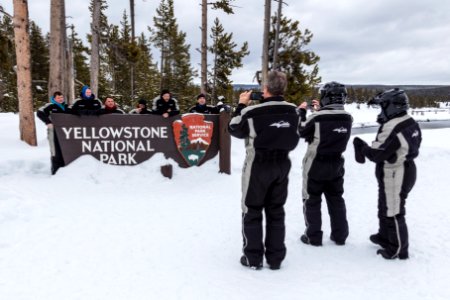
110,107
141,108
55,106
87,104
165,105
201,107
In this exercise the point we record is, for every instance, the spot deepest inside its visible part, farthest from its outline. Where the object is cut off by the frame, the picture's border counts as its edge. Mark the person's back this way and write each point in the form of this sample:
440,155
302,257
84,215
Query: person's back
270,130
327,132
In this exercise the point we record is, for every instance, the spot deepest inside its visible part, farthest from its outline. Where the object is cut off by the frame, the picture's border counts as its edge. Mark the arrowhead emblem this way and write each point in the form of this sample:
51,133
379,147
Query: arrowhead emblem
193,136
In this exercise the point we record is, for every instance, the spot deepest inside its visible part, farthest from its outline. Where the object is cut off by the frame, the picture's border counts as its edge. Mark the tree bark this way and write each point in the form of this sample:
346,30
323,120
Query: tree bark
277,36
204,47
27,125
265,50
57,48
95,56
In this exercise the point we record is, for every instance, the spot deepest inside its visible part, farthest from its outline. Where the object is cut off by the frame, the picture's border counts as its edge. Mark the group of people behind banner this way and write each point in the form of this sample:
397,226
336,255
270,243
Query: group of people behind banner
164,105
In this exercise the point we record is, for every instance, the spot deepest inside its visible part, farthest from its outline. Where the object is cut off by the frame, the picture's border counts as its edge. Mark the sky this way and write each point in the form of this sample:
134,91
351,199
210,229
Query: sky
359,42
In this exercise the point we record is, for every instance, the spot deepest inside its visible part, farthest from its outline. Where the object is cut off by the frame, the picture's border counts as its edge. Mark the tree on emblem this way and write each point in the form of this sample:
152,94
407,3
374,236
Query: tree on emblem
184,137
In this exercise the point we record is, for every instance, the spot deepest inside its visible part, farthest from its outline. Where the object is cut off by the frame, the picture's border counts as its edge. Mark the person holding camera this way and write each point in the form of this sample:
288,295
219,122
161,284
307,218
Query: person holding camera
327,131
270,130
395,147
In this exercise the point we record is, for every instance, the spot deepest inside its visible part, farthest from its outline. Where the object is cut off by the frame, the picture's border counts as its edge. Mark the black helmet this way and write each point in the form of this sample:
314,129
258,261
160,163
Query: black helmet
332,93
393,102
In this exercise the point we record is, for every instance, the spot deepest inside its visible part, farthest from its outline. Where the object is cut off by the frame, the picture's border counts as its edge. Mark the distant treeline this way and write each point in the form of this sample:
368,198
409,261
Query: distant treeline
419,95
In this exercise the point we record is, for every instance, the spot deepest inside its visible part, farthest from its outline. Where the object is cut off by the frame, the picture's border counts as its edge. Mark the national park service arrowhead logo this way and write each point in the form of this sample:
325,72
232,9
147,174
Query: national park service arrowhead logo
193,136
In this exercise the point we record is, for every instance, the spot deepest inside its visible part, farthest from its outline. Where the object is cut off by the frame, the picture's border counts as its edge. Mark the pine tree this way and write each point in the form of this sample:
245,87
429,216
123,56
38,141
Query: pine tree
299,64
176,71
39,65
146,73
80,61
8,78
226,58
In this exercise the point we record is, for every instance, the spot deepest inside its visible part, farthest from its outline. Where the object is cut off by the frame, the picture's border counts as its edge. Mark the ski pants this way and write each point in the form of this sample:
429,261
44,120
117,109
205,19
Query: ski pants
324,175
264,188
394,185
57,160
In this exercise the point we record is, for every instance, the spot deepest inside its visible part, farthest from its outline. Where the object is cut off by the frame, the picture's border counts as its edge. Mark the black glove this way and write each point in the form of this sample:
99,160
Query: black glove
359,145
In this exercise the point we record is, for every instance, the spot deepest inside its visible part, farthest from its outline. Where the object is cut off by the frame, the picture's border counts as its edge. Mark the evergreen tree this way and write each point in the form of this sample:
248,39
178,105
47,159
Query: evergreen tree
146,73
8,78
80,62
176,71
39,65
226,58
299,64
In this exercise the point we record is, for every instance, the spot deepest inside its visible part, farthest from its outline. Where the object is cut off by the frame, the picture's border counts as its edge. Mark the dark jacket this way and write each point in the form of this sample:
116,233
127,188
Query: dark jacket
326,131
45,111
115,110
160,106
271,125
203,109
398,140
86,105
143,111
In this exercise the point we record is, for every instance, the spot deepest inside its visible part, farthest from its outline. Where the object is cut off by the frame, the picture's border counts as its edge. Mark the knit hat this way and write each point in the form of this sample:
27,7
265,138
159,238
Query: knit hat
201,96
165,91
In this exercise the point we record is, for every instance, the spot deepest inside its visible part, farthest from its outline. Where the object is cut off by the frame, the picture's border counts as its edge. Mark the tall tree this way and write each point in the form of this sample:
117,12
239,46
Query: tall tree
176,71
56,80
146,72
22,41
8,78
299,63
95,44
39,64
265,47
224,5
226,59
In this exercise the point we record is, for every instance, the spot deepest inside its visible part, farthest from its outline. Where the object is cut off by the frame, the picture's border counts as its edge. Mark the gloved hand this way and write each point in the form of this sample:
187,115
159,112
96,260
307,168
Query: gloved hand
359,145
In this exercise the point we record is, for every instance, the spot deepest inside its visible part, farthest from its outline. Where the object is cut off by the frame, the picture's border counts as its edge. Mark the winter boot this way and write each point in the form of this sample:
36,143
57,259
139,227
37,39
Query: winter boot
379,240
385,254
305,239
246,263
339,243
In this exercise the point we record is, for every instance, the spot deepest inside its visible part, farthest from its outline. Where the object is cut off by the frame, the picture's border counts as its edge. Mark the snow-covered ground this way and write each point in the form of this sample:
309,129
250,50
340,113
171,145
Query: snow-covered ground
95,231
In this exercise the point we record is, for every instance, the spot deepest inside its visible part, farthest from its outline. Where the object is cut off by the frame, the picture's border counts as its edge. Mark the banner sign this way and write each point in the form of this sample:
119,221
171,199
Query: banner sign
189,139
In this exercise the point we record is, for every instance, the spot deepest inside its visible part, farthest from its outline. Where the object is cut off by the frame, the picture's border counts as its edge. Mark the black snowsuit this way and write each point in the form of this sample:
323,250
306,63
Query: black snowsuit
270,130
327,132
394,150
44,114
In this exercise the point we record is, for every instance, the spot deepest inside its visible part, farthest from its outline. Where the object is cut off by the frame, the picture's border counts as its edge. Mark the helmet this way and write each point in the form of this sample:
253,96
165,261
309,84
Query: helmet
393,102
332,93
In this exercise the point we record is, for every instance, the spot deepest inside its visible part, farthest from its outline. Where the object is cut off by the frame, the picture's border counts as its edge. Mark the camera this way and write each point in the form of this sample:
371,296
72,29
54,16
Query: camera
258,96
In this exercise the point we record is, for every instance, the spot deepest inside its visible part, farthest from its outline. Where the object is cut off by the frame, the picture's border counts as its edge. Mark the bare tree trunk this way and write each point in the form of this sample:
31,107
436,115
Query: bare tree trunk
23,56
277,36
265,51
65,82
70,71
204,47
95,59
132,40
57,50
